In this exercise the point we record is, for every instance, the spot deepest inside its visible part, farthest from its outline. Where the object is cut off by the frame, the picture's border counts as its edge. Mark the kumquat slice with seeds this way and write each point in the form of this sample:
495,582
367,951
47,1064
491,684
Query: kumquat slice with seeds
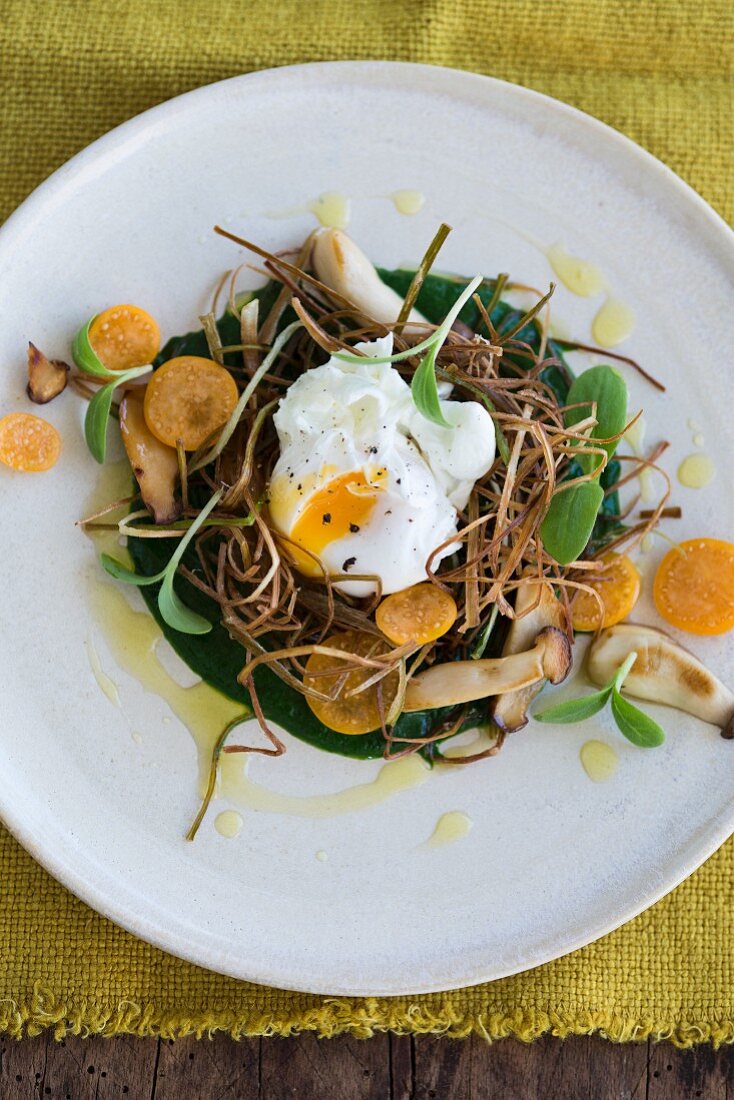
618,586
351,714
418,614
694,586
28,443
124,337
188,398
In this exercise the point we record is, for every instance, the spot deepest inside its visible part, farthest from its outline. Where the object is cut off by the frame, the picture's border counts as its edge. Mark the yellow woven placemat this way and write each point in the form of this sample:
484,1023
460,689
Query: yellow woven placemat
661,71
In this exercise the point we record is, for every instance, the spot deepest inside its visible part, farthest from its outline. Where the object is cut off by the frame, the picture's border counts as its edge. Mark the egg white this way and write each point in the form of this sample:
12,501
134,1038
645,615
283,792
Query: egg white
354,426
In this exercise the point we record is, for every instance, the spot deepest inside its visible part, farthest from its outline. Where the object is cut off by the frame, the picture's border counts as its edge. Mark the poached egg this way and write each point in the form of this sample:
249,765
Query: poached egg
365,484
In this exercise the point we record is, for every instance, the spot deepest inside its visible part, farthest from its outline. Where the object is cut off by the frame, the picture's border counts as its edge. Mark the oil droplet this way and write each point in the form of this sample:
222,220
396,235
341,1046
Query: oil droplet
322,856
647,544
332,209
229,823
613,323
579,276
450,827
696,471
599,760
698,440
407,201
106,684
693,425
137,737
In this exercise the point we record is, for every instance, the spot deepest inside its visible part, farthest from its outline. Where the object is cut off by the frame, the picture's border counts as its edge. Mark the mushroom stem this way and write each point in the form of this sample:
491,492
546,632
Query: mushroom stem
536,607
456,682
664,672
342,266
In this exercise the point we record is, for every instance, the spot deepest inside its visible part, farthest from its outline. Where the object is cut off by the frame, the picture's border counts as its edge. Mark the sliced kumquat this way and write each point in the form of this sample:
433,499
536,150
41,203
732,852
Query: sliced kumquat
124,337
618,586
418,614
28,443
694,586
188,398
351,714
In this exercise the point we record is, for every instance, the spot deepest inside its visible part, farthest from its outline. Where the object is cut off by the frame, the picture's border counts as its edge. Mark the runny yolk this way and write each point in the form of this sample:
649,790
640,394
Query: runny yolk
340,508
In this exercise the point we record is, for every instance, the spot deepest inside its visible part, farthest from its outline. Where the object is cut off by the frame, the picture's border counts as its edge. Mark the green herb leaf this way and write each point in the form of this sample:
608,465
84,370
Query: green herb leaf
121,573
576,710
98,411
176,613
636,726
86,357
173,610
605,387
570,519
424,390
424,387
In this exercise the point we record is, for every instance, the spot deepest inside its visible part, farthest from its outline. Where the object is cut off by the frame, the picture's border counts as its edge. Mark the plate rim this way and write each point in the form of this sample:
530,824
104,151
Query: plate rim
60,864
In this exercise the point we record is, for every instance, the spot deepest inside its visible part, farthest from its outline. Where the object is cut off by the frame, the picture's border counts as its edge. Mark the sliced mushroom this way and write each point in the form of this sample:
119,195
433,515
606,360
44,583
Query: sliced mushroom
342,266
456,682
664,672
47,378
510,711
154,464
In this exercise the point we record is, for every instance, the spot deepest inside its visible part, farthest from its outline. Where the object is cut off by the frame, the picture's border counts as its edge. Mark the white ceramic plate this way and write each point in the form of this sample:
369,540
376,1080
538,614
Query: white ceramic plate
553,860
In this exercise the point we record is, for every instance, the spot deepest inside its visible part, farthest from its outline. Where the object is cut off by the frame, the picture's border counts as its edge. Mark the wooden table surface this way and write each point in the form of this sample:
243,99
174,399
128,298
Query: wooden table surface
388,1067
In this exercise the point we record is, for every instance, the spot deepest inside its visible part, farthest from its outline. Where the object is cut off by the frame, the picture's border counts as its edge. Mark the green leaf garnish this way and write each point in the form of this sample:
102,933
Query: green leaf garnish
173,610
636,726
424,387
98,411
570,519
576,710
606,388
86,357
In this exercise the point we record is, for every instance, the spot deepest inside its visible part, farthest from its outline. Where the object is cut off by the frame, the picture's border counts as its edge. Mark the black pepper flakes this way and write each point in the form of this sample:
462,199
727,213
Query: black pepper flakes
326,518
354,527
347,565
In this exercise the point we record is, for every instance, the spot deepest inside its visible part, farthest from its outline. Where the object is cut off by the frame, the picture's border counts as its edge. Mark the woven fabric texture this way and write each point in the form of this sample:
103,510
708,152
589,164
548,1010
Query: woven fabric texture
660,71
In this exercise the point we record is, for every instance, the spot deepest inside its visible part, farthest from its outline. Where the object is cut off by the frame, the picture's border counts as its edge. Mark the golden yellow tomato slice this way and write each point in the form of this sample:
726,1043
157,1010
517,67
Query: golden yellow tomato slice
188,398
618,585
694,586
418,614
352,714
124,337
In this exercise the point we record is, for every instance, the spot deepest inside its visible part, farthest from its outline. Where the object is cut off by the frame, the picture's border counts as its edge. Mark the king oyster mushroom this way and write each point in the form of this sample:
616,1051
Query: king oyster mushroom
663,672
456,682
154,464
342,266
536,607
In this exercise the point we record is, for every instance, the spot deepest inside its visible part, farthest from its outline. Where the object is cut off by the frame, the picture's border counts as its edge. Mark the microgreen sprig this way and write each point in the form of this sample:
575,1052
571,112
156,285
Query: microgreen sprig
173,611
424,386
98,410
636,726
